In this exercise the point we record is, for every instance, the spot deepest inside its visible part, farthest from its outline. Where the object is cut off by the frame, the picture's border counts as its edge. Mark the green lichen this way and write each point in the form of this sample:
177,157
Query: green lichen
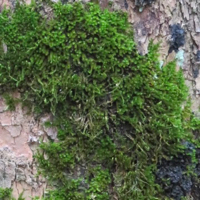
180,58
117,113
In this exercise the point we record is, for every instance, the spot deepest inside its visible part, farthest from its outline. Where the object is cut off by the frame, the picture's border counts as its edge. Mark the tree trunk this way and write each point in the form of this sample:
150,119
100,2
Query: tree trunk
173,23
176,25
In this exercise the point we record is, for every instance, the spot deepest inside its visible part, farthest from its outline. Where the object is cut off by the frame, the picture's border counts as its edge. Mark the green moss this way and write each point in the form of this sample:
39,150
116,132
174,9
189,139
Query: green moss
117,113
5,193
10,101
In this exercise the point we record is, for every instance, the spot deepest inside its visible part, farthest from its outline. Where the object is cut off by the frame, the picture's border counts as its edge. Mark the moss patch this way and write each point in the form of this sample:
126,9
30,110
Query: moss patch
117,113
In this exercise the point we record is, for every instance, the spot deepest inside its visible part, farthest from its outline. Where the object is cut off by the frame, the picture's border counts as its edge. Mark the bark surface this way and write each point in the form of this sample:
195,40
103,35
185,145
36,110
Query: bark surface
174,23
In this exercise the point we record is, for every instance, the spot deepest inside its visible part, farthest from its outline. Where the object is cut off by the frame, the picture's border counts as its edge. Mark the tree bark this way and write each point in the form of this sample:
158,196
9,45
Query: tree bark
173,23
156,21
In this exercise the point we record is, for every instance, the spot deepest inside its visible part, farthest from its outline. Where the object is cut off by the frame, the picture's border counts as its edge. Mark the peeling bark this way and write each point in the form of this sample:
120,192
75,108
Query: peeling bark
20,134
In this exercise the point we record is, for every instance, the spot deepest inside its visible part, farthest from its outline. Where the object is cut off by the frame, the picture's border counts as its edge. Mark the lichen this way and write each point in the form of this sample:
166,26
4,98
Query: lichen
142,3
180,58
177,37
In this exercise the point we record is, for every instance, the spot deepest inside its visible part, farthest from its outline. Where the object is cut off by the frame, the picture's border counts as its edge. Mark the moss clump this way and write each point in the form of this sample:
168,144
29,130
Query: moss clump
117,113
5,193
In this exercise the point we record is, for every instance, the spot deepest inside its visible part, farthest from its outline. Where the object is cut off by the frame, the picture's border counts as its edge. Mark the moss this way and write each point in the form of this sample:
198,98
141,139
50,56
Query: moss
117,113
5,193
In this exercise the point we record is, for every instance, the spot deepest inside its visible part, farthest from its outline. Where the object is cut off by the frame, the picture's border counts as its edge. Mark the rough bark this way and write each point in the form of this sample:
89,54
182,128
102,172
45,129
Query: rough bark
156,20
20,136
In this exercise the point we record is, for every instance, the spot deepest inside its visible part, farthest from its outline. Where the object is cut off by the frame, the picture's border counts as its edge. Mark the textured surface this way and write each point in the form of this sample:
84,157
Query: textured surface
20,133
19,139
158,22
173,23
